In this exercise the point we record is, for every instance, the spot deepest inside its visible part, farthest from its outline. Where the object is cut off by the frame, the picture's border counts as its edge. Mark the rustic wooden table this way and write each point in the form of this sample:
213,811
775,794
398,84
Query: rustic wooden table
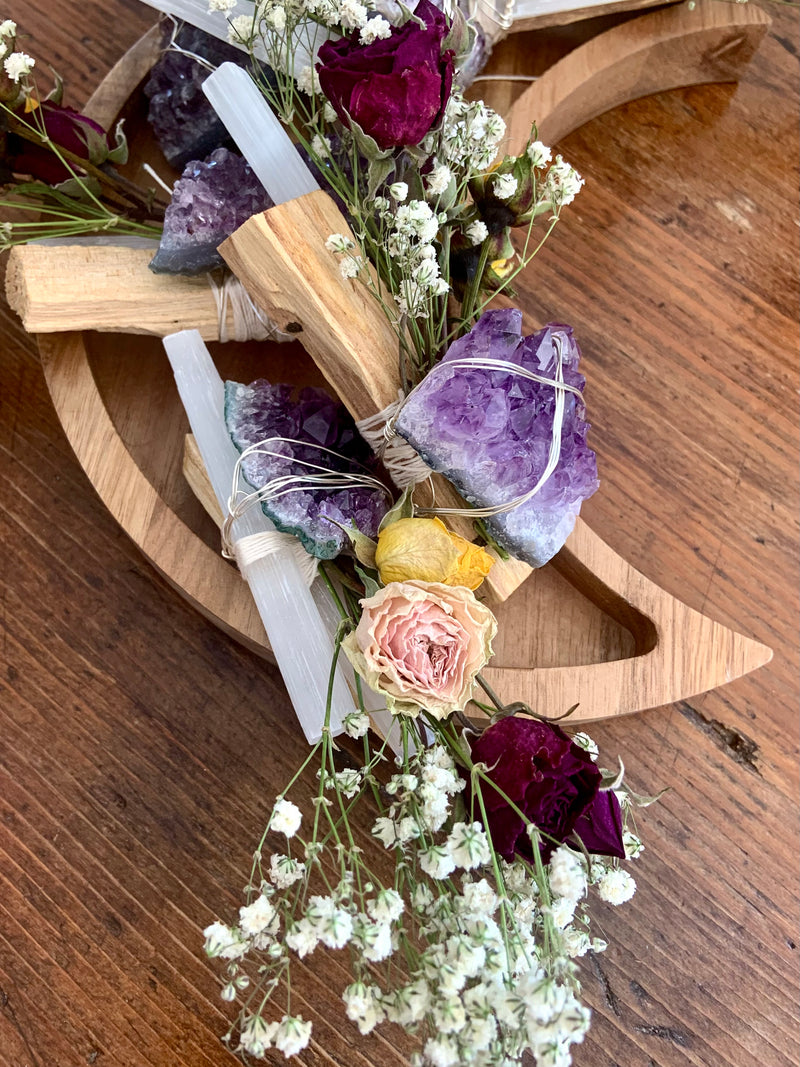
140,747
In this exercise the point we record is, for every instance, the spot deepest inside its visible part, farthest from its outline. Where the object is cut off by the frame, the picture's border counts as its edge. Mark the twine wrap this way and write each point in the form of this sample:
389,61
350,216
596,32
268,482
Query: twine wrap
404,465
250,323
247,550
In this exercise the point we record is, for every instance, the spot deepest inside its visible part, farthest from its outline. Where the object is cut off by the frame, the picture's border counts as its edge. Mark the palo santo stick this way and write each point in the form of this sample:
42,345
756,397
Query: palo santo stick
59,288
280,258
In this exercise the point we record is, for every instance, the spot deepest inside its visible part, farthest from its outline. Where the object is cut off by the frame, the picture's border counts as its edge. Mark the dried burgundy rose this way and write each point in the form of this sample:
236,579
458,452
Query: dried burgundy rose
66,128
553,782
395,88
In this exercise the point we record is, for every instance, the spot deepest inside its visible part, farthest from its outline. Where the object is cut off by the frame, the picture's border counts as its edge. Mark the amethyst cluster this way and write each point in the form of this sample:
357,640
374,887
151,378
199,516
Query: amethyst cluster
183,121
258,411
211,200
489,432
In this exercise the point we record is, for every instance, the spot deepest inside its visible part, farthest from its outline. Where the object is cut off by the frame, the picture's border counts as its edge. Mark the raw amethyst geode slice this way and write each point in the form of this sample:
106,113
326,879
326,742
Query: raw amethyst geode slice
489,432
184,122
211,200
258,411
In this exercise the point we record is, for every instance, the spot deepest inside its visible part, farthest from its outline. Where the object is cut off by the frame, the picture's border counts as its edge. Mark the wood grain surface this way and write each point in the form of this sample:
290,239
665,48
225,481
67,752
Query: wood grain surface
140,748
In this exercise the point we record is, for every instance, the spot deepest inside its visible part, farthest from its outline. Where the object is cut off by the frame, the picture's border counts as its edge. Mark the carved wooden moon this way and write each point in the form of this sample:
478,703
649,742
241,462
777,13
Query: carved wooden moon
618,643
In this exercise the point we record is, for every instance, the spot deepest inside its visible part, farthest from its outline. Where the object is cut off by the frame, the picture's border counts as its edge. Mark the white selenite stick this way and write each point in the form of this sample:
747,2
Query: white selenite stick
215,23
257,131
300,640
306,41
273,156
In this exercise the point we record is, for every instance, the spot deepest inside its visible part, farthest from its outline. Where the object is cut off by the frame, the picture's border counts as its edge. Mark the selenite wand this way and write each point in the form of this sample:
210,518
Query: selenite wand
299,638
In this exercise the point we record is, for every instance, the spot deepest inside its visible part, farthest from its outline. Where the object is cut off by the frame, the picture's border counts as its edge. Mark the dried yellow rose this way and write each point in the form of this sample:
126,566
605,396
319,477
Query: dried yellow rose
424,550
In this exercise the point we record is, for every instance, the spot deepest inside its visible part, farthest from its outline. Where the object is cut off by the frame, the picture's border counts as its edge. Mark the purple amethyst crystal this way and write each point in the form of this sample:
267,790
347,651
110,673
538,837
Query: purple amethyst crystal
259,411
183,121
489,432
211,200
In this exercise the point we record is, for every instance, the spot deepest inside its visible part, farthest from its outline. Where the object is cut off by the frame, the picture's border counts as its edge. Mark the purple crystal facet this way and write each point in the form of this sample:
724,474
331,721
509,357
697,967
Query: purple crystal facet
258,411
211,200
183,121
489,432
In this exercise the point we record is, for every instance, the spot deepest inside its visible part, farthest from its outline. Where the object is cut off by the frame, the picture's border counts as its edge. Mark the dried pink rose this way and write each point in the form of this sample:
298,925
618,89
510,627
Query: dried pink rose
420,644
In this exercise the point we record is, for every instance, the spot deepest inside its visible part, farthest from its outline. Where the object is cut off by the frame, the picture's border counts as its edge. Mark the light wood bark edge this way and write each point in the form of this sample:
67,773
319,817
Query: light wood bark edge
665,49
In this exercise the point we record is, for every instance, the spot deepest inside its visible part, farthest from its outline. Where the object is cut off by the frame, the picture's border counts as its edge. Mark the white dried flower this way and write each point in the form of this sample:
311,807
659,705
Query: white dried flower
292,1035
336,929
8,28
302,938
477,232
616,886
224,941
337,242
633,845
275,19
18,65
426,274
285,871
386,832
563,183
538,153
376,28
387,907
480,897
562,911
504,186
448,1015
438,180
256,917
257,1036
286,817
320,146
356,723
468,845
352,15
363,1006
567,873
220,5
349,268
437,861
442,1052
376,941
329,113
576,942
307,81
398,191
242,30
349,780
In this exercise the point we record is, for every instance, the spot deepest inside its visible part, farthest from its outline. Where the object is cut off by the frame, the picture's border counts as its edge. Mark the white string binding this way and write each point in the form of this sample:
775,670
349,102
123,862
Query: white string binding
561,389
246,550
249,322
404,465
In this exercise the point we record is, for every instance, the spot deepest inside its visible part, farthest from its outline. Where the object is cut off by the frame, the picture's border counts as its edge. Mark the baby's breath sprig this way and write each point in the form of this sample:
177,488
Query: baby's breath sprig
474,953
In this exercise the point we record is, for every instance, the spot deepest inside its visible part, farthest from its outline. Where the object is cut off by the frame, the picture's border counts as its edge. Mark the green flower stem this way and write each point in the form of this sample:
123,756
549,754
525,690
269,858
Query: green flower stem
468,310
505,903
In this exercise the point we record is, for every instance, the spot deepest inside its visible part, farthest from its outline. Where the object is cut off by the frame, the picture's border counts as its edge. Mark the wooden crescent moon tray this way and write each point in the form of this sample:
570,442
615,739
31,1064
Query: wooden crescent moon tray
586,628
